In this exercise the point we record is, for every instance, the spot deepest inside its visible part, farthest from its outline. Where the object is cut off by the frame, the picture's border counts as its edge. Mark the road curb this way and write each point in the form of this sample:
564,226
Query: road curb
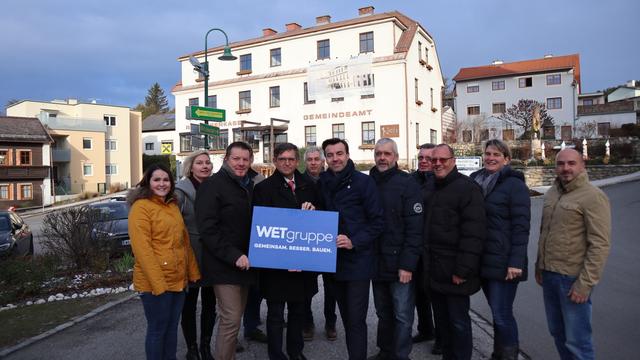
600,183
57,329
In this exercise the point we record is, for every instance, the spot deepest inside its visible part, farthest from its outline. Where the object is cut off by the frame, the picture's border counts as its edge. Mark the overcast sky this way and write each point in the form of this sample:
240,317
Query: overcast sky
113,51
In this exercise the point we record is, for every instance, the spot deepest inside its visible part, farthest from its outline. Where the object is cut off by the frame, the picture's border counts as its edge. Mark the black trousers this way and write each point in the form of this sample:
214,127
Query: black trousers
454,325
328,284
207,315
353,301
423,307
275,326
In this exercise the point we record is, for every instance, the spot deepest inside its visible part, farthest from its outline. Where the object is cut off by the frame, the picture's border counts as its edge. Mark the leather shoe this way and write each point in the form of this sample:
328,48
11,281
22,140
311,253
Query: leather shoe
379,356
239,347
331,333
256,335
299,357
308,332
192,352
422,337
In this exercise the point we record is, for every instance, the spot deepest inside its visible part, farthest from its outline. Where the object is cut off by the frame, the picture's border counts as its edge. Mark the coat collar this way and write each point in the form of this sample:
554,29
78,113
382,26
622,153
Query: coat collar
576,183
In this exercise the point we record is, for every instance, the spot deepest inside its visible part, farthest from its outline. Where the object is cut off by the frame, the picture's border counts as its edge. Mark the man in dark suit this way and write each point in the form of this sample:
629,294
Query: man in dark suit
286,188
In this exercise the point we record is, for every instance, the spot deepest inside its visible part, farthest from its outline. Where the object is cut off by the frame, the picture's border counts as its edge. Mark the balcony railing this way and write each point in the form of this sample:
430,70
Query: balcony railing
79,124
61,155
24,172
609,108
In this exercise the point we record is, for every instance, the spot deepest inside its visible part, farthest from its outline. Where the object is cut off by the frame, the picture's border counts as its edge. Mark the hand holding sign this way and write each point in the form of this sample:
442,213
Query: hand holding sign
343,242
243,262
307,206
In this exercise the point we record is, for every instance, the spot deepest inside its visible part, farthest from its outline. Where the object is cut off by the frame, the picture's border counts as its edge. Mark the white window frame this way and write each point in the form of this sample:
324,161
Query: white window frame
90,143
90,168
111,167
112,120
553,99
152,146
9,191
111,141
19,192
19,156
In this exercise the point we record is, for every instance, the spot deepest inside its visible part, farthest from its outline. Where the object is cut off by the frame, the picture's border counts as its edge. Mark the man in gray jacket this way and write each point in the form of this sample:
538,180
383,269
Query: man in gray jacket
575,236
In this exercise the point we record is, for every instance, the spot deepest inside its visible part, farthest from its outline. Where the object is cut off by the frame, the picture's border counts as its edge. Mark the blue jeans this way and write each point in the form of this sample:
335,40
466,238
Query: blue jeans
569,323
162,313
451,313
500,296
394,306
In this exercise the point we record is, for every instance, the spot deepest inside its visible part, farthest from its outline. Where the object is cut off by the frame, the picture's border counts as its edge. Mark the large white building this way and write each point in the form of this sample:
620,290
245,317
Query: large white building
267,90
483,93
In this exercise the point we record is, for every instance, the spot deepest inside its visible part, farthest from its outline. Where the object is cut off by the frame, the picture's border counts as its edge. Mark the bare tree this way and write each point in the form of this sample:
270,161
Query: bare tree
521,114
587,129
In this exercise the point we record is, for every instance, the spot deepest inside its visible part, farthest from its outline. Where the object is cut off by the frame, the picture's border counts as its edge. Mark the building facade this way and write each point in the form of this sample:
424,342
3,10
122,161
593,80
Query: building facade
484,93
268,92
158,135
96,147
25,163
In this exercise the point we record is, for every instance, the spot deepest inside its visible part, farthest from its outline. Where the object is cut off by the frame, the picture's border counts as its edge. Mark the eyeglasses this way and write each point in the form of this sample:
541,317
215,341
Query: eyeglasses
441,160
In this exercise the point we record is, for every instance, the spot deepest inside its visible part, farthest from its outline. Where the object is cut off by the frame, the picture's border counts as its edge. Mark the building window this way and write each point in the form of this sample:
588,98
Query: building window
324,49
212,101
276,57
415,89
306,95
87,169
148,146
368,133
426,55
5,192
24,157
433,136
194,102
473,110
111,169
525,82
497,85
508,134
368,96
419,51
25,191
337,131
274,96
250,137
587,102
245,63
87,143
473,88
603,128
221,141
499,108
484,135
110,120
338,99
245,100
417,134
366,42
5,157
554,103
466,135
431,98
310,135
566,132
554,79
110,145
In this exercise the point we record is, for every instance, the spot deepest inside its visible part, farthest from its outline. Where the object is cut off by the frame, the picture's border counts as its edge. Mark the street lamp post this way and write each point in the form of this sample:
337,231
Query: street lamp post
203,69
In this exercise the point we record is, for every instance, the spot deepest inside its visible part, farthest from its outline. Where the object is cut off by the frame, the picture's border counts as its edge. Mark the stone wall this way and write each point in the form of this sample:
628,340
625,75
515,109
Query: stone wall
542,175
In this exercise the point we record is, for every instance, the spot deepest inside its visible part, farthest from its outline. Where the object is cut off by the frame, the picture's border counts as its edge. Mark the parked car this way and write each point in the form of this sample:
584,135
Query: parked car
16,238
113,225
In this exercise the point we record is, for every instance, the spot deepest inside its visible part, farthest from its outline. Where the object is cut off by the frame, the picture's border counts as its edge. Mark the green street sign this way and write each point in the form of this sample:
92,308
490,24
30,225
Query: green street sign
205,113
209,130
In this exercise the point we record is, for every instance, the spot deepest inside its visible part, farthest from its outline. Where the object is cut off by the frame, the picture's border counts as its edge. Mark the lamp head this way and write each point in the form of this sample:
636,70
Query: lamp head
227,56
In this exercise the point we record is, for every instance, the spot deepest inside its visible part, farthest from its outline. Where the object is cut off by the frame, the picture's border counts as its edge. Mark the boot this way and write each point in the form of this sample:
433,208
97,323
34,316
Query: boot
510,352
206,327
192,352
497,351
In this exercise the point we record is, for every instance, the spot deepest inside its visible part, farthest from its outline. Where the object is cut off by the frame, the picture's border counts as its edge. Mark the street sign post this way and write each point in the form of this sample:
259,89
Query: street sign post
205,113
209,130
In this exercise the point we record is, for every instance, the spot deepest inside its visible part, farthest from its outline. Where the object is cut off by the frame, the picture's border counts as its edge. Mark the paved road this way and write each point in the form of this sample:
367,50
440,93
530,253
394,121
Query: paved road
118,333
616,313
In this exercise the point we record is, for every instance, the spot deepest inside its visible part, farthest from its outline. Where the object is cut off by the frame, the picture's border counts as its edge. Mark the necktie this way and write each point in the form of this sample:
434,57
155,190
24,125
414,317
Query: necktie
292,185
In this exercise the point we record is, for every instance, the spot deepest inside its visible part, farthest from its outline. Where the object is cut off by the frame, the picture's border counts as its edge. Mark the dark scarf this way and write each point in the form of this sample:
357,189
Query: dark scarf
194,182
382,176
244,181
334,180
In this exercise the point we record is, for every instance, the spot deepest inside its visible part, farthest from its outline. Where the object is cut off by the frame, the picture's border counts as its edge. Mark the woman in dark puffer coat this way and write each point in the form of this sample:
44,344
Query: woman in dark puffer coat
504,261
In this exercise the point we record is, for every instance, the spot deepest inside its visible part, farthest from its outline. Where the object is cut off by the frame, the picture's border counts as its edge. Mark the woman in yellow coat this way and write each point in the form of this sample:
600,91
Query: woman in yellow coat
165,262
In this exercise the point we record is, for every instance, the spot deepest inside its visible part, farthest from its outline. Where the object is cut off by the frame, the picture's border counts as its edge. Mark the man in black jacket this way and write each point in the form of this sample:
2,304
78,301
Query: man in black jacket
398,250
223,215
286,188
454,236
353,194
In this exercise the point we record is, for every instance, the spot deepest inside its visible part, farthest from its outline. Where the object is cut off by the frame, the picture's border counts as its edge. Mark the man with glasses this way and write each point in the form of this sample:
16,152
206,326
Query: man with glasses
426,329
454,234
286,188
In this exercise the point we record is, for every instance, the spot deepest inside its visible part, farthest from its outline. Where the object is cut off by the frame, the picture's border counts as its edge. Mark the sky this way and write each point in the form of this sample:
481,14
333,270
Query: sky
113,51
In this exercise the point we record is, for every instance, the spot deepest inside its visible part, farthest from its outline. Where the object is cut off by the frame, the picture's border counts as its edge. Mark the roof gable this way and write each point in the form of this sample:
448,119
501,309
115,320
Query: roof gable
23,129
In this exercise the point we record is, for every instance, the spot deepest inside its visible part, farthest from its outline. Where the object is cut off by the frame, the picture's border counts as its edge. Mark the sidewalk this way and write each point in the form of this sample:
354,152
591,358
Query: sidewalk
600,183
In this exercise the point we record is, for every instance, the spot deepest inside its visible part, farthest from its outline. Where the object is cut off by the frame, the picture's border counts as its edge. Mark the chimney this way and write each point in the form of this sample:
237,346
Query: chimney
293,26
548,56
268,32
324,19
497,62
72,101
632,83
365,11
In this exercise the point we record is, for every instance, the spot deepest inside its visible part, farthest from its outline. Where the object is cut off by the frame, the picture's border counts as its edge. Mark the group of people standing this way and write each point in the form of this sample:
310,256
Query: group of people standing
426,240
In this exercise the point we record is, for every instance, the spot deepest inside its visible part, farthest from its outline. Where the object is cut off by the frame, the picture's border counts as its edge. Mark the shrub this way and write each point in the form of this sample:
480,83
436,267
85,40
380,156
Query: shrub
70,234
23,277
125,263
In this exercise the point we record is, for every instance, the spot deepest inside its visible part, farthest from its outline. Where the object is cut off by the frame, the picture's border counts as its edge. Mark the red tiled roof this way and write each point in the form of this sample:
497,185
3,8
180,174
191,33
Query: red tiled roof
522,67
402,46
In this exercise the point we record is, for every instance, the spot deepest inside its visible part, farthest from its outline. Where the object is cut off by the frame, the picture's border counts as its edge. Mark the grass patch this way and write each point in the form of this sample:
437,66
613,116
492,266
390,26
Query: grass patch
27,321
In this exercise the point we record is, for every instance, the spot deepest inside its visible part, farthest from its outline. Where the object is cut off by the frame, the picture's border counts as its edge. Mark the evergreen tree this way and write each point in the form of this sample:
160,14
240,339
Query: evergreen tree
156,101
